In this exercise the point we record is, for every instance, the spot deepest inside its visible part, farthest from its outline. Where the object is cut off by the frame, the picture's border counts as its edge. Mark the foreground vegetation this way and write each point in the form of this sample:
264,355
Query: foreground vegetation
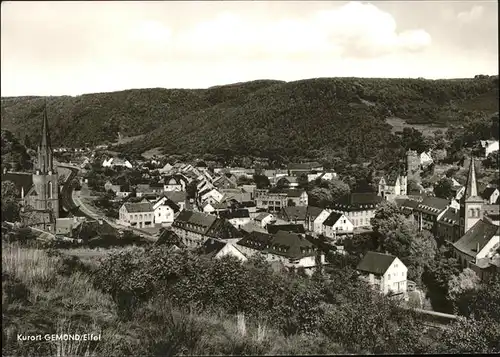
153,301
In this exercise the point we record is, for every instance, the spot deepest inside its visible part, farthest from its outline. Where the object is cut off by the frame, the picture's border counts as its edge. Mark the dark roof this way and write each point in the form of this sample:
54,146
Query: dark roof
480,233
410,203
194,221
391,179
375,263
261,216
176,196
294,193
256,240
237,213
313,211
247,204
213,246
332,219
291,245
358,201
433,205
139,207
170,203
20,179
488,192
450,216
275,228
294,212
223,229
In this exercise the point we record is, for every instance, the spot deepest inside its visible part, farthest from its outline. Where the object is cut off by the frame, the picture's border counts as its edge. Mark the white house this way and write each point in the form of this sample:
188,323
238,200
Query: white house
114,162
218,249
385,272
317,226
164,211
337,224
211,196
174,183
327,176
166,169
139,215
426,158
237,217
490,195
489,146
263,219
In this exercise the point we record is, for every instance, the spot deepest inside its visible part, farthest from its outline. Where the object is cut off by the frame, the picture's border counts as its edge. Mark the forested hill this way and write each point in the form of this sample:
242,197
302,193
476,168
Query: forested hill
307,118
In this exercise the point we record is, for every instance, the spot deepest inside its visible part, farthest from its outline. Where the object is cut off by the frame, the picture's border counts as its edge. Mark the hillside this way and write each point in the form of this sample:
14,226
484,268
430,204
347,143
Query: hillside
315,118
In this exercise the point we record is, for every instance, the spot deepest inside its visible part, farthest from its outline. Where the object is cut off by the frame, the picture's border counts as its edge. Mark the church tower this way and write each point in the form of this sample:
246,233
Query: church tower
470,204
45,178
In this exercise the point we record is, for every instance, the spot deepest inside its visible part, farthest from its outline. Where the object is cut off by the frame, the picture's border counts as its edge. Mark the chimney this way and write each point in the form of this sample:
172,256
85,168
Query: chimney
477,248
5,170
100,220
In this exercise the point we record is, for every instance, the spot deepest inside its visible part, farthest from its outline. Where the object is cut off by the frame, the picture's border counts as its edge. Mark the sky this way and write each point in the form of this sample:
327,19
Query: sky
72,48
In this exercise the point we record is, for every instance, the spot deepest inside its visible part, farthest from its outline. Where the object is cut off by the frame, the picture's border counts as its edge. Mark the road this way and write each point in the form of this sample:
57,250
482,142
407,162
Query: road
72,202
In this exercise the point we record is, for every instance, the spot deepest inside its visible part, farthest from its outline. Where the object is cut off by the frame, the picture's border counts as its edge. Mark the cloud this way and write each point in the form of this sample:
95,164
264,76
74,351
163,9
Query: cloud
472,15
352,30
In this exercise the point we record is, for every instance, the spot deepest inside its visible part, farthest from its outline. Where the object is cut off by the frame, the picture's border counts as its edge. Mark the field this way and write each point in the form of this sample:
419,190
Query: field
399,124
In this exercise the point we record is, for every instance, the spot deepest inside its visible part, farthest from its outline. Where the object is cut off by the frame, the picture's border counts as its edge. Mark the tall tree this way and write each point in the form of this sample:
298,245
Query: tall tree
10,202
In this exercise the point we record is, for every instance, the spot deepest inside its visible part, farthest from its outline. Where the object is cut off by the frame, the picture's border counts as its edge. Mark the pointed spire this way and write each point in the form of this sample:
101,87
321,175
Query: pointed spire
45,128
471,186
44,149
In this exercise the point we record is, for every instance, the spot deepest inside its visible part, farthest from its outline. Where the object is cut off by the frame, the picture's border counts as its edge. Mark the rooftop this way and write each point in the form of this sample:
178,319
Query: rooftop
138,207
375,263
480,234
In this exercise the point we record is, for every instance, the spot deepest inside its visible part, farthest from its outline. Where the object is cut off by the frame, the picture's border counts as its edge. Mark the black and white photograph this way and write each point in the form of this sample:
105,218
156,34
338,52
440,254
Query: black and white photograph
263,178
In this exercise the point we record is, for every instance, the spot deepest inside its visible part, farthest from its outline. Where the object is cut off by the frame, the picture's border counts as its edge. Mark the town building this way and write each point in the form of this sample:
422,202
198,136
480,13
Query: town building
254,243
428,212
490,195
165,211
393,185
116,162
192,227
137,215
359,208
489,146
337,226
264,218
296,169
385,273
217,249
237,217
177,182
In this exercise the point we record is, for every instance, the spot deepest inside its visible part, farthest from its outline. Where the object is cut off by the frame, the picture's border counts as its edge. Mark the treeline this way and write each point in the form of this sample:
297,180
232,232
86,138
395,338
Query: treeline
310,119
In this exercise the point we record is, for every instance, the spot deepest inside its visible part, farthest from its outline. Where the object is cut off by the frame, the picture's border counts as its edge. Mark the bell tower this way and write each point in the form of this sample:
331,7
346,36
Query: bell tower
471,204
45,178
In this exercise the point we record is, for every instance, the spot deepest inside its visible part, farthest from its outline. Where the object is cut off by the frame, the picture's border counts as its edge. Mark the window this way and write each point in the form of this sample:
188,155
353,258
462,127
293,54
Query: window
388,276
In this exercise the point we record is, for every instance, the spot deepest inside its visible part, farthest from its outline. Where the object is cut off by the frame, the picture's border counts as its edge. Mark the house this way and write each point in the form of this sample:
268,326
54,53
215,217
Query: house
215,207
254,242
237,194
272,202
478,248
218,249
149,190
273,174
178,197
192,227
287,182
139,215
312,214
490,195
223,230
166,169
358,207
489,146
297,198
249,189
316,225
304,215
68,226
294,251
304,168
492,213
225,181
108,186
426,159
116,162
263,219
252,227
175,182
237,217
448,227
325,176
164,211
336,226
210,196
395,184
385,273
428,211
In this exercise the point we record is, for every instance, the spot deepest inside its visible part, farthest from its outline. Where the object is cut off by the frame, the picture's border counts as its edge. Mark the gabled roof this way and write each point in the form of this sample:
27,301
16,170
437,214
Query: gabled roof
237,213
450,216
314,211
433,205
256,240
223,229
480,233
194,221
291,245
168,202
391,179
175,196
252,227
375,263
332,219
294,212
213,246
138,207
275,228
358,201
488,191
261,216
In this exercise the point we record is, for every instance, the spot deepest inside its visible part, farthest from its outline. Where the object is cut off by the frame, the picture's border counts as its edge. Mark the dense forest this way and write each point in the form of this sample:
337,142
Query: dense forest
321,119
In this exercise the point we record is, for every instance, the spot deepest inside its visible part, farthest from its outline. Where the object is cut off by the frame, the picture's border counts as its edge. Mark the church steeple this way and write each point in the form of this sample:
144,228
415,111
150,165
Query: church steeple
44,164
471,185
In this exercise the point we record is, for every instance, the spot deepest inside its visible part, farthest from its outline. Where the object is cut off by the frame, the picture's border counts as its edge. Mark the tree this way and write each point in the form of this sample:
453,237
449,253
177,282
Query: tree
459,285
492,161
413,186
192,189
10,202
320,197
261,181
303,181
444,188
